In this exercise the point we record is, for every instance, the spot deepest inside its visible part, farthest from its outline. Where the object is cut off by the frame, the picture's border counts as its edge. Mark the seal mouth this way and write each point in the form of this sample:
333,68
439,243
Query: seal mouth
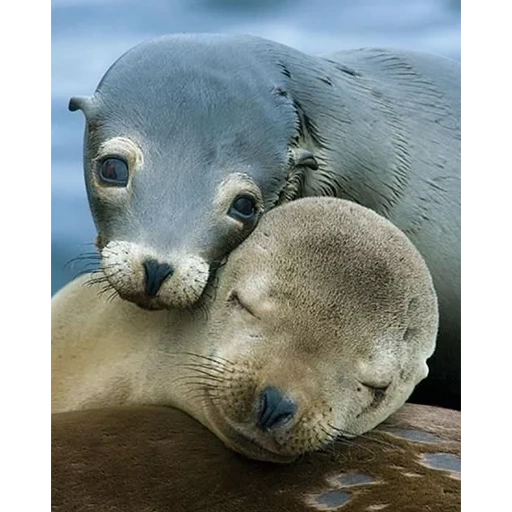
142,301
149,305
242,440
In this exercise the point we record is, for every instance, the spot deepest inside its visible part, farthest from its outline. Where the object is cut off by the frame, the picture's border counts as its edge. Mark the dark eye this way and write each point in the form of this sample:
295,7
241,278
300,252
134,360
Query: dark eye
114,171
243,208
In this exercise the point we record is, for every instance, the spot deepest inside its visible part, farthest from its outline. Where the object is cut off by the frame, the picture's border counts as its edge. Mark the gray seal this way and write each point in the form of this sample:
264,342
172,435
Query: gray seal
191,138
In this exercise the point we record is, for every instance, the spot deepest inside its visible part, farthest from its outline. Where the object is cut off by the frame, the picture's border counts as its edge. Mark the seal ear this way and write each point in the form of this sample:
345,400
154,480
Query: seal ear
79,103
302,157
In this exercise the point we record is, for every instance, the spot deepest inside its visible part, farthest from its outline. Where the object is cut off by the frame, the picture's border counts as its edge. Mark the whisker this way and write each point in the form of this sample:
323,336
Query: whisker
200,393
97,280
112,296
341,439
370,436
216,360
213,363
85,256
73,263
81,273
203,366
205,373
205,384
91,266
105,288
330,435
206,378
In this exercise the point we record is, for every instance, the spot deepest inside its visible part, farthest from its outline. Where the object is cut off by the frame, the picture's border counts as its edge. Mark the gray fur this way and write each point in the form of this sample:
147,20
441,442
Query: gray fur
383,126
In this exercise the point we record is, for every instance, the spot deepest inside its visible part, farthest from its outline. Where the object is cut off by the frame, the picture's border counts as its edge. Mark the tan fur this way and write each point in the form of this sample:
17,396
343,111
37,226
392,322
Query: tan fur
325,300
140,459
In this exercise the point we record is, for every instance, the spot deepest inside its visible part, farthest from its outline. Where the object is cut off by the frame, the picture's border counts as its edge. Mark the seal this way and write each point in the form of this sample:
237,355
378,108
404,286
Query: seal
190,138
319,324
411,462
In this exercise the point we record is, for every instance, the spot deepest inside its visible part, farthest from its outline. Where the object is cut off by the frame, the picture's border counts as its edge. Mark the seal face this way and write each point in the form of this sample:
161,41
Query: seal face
191,138
318,326
200,161
327,315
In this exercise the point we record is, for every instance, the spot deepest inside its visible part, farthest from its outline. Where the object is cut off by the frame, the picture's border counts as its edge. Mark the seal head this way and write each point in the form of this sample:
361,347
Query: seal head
178,152
323,320
318,326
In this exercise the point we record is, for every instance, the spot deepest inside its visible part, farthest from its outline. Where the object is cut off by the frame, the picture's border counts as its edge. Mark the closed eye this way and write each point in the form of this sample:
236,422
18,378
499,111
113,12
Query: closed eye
234,299
378,392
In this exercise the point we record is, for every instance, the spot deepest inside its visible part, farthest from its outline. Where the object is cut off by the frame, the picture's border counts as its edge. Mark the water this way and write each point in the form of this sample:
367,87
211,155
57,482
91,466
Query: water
88,35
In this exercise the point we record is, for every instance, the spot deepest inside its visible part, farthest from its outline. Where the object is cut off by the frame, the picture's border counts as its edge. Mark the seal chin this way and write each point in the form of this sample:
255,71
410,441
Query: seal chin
142,301
243,440
252,450
168,302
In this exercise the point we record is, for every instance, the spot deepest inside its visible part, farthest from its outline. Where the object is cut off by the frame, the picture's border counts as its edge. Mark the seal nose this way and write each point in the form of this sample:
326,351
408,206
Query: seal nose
275,409
156,274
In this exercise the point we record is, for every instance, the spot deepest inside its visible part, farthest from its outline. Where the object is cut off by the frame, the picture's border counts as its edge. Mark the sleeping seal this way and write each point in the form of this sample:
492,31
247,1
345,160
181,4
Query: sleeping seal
300,343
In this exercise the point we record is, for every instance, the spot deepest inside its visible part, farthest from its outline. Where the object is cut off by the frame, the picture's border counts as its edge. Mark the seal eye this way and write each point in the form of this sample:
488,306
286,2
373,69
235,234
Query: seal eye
114,171
378,393
243,208
234,299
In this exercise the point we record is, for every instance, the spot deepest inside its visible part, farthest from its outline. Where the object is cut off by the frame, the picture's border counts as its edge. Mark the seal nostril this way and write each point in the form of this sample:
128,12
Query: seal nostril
275,409
156,274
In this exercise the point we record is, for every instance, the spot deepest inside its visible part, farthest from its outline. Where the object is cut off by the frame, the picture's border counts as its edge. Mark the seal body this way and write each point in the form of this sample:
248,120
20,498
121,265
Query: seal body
155,458
191,138
298,344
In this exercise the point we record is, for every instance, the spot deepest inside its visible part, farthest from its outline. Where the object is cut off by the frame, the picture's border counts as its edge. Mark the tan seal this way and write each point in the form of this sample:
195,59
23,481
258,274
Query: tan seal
157,458
319,326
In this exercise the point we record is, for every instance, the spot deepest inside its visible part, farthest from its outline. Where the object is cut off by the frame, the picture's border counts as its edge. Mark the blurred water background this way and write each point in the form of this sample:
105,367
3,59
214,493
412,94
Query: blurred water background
88,35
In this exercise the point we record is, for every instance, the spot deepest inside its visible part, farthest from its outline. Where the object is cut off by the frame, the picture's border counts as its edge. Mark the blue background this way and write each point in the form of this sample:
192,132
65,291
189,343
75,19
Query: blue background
88,35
